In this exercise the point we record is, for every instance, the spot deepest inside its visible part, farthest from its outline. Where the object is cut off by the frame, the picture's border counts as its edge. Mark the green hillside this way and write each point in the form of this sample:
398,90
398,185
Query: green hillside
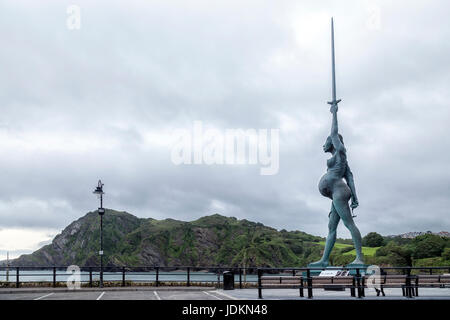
216,240
209,241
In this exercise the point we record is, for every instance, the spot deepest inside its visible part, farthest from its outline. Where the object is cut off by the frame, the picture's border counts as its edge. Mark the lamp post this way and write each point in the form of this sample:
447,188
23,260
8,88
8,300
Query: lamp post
101,211
7,266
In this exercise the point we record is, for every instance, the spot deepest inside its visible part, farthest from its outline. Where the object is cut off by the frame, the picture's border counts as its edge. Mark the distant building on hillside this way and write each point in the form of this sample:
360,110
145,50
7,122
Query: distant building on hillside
412,235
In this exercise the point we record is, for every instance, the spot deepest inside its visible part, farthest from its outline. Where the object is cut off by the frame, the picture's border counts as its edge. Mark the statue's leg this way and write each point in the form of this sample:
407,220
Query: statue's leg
331,239
340,202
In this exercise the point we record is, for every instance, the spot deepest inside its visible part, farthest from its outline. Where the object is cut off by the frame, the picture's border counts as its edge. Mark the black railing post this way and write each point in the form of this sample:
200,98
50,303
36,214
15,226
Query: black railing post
363,283
240,278
358,283
54,277
301,286
218,278
259,284
352,289
188,283
408,283
157,276
309,282
417,285
17,277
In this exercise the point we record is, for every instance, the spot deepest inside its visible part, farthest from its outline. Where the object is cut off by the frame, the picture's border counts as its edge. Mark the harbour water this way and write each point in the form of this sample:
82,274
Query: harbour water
150,276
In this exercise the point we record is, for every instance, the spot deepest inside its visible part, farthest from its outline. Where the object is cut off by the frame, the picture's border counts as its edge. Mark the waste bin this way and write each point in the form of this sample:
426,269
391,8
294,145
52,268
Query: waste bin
228,280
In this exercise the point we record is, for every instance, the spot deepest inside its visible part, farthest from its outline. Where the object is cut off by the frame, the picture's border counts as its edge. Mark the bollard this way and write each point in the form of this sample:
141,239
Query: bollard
123,276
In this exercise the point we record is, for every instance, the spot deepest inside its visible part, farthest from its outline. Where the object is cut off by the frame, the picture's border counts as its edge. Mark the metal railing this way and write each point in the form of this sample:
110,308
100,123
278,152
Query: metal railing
124,276
410,281
206,276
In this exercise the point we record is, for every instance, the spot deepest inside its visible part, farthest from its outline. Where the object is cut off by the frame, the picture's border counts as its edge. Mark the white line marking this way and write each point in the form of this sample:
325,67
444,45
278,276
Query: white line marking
157,295
209,294
225,295
101,295
47,295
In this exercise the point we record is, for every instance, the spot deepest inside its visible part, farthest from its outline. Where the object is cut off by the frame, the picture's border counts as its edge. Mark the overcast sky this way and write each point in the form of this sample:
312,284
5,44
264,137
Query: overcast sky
102,101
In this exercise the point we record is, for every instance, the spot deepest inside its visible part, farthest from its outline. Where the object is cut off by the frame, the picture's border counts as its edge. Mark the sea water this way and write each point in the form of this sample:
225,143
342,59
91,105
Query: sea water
174,276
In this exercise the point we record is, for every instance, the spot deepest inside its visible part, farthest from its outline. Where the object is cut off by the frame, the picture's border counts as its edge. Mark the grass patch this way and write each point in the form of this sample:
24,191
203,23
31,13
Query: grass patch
367,251
338,245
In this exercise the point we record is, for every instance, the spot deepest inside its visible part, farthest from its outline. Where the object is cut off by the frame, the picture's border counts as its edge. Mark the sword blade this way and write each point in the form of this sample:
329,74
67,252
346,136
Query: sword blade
333,72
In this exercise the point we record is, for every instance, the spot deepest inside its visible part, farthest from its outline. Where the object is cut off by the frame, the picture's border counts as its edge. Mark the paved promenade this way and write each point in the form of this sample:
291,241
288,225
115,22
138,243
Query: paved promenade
201,293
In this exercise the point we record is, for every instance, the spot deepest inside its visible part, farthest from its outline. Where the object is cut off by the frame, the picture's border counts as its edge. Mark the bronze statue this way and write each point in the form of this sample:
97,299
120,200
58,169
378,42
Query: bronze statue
333,186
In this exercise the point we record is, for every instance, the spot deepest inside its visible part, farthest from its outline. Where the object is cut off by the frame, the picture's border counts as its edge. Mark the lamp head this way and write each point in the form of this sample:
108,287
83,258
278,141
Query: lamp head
99,189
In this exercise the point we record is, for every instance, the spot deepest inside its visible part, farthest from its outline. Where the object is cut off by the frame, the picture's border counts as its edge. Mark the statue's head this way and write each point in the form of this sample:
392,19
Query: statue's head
328,146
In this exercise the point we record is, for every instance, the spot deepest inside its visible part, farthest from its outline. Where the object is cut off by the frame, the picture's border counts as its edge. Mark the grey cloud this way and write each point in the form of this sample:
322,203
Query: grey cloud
138,68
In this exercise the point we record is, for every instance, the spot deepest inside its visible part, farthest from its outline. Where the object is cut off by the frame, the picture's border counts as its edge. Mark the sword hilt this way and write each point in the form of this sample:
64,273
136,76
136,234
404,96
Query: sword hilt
353,215
334,102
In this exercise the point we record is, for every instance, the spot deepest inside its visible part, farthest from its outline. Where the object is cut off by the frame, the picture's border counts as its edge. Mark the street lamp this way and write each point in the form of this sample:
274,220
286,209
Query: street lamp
101,211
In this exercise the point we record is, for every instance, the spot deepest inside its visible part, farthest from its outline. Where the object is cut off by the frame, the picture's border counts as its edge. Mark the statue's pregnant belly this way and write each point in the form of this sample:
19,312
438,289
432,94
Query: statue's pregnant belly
330,185
326,185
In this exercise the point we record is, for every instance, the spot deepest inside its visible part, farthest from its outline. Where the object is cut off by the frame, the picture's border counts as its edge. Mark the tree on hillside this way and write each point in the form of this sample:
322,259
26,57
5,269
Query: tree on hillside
395,255
373,239
427,246
446,254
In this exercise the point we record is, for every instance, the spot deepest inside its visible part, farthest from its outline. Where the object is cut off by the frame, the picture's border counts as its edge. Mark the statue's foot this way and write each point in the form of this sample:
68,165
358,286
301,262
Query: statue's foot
318,264
357,261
